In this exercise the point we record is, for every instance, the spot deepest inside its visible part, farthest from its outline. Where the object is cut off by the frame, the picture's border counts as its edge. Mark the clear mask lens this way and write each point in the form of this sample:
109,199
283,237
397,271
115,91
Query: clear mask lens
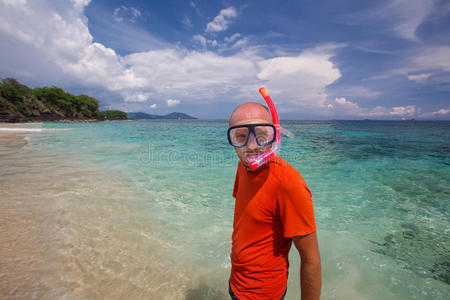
264,134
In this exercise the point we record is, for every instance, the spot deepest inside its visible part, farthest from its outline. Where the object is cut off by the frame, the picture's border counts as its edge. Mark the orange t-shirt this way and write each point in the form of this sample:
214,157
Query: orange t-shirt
273,204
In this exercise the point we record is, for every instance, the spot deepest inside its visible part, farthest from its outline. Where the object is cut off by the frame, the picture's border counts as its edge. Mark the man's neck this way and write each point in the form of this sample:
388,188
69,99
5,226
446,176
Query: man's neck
257,170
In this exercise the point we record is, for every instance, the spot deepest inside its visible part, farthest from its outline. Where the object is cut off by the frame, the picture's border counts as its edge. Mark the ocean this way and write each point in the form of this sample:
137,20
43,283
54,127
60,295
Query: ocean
144,209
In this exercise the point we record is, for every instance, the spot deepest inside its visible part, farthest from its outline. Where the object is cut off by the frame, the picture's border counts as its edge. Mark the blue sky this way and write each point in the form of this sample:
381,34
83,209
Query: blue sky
386,59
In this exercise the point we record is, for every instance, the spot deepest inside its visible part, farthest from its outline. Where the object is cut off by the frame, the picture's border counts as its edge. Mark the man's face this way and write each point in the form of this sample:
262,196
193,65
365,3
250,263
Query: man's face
252,149
250,113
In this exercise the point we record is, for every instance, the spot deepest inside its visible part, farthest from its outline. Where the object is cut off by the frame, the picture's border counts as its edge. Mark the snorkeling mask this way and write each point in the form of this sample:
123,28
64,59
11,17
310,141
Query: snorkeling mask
264,134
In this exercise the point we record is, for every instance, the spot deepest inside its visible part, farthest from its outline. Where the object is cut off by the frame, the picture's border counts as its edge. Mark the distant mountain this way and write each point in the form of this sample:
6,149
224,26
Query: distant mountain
140,115
178,115
172,116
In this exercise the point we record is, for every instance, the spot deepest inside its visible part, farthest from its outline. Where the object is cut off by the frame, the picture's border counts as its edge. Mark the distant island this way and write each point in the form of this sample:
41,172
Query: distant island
19,103
171,116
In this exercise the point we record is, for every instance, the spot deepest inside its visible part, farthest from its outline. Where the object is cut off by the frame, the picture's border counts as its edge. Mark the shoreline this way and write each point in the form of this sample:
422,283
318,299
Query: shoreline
3,122
14,139
11,141
64,227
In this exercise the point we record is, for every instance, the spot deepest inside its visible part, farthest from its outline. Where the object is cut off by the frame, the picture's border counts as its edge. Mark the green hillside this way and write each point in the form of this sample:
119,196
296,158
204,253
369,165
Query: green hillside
19,103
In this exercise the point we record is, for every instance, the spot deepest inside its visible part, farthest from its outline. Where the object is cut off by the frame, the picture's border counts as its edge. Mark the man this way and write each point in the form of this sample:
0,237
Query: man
273,209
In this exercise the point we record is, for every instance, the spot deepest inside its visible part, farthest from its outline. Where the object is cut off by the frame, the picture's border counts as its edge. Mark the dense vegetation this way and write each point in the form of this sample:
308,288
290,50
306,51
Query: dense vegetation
19,103
112,115
72,106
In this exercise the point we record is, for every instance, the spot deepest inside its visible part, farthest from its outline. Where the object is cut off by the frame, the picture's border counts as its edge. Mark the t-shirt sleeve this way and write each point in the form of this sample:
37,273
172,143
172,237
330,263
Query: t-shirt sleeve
296,207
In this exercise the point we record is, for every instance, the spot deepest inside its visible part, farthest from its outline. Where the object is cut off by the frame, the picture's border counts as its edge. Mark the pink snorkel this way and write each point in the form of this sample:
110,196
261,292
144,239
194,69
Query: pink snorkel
268,155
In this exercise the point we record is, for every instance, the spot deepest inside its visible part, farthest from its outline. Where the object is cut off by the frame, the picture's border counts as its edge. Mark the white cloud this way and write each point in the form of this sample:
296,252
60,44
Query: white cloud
409,110
359,92
343,101
302,79
172,102
442,112
439,113
79,3
234,42
190,74
117,11
402,17
408,15
426,64
222,20
232,38
136,97
54,45
398,111
432,58
429,64
135,12
204,41
131,13
187,22
344,107
126,36
240,43
200,39
14,2
419,78
63,39
154,105
197,10
66,51
228,43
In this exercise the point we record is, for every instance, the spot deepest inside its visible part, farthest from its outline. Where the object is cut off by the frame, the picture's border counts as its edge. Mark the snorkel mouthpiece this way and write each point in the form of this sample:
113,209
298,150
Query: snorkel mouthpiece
268,155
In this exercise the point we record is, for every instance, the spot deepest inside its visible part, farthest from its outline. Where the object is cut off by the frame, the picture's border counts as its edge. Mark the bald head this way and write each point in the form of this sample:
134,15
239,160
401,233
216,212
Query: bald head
250,112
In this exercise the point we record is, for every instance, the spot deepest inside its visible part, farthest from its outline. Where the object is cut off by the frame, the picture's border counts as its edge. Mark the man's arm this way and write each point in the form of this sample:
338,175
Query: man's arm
310,270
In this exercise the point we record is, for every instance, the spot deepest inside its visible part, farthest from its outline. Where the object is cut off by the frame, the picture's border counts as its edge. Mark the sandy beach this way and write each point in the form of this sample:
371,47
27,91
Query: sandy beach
65,231
19,250
11,141
45,239
12,138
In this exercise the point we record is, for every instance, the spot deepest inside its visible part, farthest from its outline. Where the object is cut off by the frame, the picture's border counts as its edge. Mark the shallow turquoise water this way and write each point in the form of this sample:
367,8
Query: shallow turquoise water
380,189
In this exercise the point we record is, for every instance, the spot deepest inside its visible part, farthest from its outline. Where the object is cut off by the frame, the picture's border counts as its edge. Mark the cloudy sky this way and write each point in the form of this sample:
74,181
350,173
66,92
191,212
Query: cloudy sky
386,59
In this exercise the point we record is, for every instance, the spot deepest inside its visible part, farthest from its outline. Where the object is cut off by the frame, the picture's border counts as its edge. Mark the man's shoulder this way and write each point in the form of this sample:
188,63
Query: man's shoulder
283,171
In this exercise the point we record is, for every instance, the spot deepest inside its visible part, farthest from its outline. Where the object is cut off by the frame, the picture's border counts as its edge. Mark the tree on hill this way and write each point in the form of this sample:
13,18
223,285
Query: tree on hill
87,106
72,106
16,94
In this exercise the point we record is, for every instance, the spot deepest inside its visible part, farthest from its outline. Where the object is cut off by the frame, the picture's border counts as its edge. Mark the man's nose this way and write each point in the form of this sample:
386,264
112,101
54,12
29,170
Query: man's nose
251,144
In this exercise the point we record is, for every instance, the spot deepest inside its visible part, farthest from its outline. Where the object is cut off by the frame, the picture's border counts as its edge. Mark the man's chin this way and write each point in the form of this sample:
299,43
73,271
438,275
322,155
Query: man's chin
248,158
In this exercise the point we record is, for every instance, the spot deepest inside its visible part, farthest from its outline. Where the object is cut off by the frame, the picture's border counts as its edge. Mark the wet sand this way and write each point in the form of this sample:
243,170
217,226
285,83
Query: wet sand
53,237
11,141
